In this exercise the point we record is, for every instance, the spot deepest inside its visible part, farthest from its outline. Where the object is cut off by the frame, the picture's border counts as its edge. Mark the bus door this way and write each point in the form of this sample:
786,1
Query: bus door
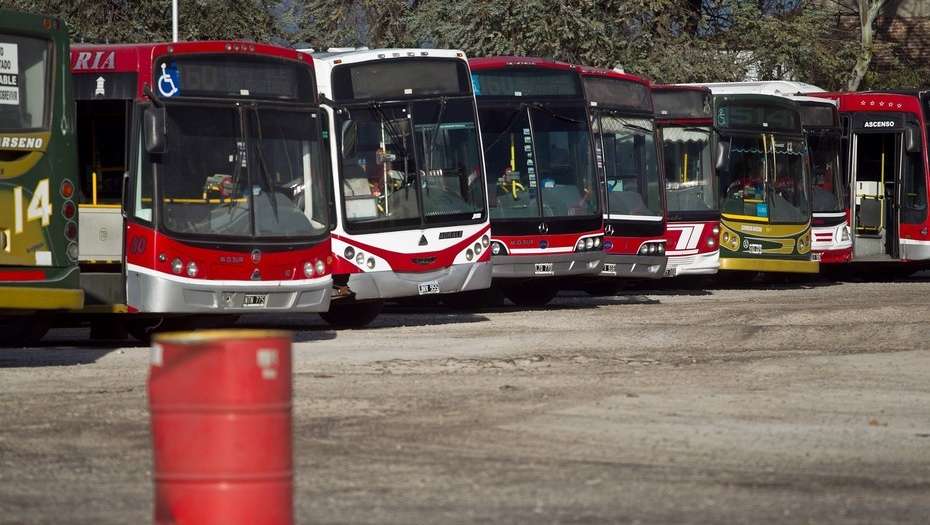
885,168
104,109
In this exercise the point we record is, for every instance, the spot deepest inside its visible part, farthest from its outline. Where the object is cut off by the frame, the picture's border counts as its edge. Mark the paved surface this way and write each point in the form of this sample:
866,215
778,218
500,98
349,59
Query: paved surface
789,403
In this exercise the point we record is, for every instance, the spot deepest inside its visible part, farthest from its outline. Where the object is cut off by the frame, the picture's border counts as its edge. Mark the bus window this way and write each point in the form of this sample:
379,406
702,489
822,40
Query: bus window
914,190
23,107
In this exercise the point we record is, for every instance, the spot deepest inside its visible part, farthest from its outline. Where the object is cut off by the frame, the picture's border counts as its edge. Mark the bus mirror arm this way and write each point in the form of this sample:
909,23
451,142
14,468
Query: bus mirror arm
723,154
153,130
912,140
124,198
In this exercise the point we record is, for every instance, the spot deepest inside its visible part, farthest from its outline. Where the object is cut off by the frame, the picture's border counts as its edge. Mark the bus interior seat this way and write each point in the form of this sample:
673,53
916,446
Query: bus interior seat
869,214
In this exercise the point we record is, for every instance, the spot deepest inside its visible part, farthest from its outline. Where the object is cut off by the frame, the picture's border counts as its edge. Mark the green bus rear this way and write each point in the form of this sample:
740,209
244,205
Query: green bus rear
38,163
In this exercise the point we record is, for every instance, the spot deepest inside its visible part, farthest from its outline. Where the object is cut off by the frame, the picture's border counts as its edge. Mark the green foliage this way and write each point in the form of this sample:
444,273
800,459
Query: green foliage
99,21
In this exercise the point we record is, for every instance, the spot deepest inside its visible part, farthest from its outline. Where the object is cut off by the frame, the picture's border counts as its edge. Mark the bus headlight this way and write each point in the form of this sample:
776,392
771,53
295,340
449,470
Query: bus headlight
597,242
478,248
716,230
660,248
580,246
371,263
308,269
192,269
349,253
644,249
177,265
485,241
73,251
320,268
844,233
496,249
589,244
469,255
360,258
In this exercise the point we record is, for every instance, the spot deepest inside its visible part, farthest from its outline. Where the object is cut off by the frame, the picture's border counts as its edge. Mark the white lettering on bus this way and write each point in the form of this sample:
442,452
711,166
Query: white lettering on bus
101,60
21,142
879,124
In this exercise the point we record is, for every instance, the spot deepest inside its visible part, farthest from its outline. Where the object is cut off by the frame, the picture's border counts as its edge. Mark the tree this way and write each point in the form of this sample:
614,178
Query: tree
868,12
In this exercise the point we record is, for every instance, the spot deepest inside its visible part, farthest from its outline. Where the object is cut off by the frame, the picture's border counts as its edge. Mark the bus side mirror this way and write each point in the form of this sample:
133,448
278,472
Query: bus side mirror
723,155
912,140
124,197
153,130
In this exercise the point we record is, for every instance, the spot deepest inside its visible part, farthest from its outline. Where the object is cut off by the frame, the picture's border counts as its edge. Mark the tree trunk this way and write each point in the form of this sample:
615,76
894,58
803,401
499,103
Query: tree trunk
868,12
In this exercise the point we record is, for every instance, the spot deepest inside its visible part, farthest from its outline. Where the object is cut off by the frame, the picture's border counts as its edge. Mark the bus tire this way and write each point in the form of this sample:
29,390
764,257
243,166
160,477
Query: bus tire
352,315
474,299
531,294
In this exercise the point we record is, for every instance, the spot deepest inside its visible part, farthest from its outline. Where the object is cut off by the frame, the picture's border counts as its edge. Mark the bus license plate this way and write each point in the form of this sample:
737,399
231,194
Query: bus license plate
544,269
610,269
816,256
428,288
255,301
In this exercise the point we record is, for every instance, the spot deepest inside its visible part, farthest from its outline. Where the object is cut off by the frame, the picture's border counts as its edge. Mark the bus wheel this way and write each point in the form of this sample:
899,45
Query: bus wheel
474,299
603,288
531,294
142,330
352,315
16,332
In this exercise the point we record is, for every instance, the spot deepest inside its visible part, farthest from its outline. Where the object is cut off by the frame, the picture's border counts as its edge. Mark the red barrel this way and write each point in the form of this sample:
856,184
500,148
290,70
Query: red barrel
221,427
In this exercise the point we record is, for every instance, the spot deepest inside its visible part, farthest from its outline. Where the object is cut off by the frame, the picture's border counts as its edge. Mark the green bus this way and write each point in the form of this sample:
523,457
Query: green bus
39,272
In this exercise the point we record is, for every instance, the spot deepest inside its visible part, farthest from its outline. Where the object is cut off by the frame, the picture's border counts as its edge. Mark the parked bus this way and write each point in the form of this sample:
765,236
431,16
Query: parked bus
831,242
204,192
543,192
630,171
886,155
411,207
763,163
684,114
38,213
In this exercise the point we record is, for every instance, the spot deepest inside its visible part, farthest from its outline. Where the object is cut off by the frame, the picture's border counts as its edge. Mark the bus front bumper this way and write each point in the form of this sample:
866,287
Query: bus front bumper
769,265
547,266
35,298
634,266
698,264
391,285
150,291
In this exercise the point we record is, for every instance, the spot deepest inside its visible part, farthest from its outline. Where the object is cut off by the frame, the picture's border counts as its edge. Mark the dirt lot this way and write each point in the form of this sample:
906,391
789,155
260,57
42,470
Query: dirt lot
793,403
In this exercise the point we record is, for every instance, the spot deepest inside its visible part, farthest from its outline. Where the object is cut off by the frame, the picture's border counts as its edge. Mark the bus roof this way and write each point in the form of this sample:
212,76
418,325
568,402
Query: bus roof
874,101
504,62
138,58
31,23
613,74
768,87
353,56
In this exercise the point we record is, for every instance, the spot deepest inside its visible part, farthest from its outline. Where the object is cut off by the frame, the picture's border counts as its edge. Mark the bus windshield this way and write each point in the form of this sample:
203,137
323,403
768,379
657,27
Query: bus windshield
829,191
766,179
23,86
538,161
410,163
689,169
219,181
631,166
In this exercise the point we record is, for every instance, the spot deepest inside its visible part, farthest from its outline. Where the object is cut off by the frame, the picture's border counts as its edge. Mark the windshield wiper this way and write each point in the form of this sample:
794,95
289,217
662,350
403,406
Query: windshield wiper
506,129
637,128
397,138
263,166
432,140
554,114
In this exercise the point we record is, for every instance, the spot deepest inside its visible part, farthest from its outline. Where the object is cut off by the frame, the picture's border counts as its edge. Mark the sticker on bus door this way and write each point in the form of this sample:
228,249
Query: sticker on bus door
9,74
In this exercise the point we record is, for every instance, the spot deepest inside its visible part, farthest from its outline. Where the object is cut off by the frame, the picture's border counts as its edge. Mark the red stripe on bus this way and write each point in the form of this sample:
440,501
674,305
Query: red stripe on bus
22,275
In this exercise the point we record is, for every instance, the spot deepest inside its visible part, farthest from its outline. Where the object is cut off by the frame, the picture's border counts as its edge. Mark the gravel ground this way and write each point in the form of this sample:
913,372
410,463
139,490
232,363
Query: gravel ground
776,403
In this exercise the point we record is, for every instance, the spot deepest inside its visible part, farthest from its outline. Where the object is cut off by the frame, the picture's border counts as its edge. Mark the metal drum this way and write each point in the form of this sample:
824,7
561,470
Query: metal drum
220,403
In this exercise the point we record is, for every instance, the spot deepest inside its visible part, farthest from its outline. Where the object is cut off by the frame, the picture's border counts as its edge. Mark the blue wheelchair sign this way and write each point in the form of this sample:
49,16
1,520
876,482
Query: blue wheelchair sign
169,82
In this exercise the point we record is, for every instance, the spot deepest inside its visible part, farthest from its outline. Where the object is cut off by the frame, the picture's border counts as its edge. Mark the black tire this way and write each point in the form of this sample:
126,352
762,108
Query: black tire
474,300
352,315
531,294
18,332
144,329
603,288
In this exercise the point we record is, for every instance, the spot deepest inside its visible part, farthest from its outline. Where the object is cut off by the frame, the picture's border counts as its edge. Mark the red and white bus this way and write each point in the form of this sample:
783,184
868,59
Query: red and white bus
411,207
201,167
684,115
630,171
543,191
885,154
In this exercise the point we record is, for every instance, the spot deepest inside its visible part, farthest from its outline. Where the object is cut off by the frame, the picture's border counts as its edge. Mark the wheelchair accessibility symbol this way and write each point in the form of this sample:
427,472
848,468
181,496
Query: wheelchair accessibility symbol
168,81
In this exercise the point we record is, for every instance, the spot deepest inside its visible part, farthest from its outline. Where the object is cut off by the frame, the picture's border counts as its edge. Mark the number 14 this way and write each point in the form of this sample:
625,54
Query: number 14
40,206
